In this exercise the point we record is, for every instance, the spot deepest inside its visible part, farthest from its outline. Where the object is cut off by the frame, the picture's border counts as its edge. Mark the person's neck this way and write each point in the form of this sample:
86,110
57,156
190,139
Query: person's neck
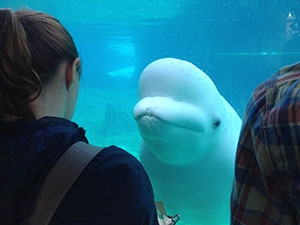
51,102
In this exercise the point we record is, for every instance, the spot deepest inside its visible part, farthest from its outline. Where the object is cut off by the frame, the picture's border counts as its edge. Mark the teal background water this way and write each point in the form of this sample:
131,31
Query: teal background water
238,43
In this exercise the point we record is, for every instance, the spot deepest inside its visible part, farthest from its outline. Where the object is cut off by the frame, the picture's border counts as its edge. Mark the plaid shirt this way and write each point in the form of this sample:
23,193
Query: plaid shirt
266,187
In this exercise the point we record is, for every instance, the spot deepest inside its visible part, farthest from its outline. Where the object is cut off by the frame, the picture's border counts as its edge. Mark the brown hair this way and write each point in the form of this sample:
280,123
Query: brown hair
32,46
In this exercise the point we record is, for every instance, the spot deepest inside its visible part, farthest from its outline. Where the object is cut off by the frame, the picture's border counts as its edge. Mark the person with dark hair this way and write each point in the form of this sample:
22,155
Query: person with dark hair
40,73
266,187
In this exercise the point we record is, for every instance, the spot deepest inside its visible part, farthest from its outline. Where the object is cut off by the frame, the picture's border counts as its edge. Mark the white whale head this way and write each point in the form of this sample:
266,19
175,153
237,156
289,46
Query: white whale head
179,110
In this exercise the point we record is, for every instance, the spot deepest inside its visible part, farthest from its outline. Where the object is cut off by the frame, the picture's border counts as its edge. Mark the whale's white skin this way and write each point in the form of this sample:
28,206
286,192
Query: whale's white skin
190,134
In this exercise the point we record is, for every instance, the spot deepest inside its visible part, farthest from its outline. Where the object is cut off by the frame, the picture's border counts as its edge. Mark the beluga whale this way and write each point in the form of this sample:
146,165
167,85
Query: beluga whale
189,136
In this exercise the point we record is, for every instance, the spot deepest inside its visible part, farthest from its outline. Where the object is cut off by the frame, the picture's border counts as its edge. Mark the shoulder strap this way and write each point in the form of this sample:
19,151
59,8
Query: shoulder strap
60,179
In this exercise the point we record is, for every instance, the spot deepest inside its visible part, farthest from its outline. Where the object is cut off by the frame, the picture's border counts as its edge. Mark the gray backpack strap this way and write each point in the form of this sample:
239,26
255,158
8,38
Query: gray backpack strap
60,179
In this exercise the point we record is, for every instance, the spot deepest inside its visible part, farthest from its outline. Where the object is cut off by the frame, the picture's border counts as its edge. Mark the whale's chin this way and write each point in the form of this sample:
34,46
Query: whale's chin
170,143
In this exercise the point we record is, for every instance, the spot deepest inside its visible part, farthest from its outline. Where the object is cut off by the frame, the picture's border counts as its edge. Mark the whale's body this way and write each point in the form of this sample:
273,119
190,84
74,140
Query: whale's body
189,133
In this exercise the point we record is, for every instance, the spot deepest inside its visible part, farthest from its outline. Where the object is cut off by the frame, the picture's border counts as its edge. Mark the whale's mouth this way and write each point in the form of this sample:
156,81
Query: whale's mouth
152,112
169,127
154,122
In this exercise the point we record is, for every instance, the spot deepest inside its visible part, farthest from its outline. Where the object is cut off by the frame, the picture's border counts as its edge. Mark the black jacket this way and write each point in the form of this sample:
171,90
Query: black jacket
113,189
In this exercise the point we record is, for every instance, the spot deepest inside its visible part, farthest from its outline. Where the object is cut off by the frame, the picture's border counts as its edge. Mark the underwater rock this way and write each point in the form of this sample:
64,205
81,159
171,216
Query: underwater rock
189,133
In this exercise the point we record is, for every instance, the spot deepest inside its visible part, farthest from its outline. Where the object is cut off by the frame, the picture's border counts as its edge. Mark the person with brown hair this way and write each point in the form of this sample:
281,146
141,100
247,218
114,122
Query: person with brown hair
40,73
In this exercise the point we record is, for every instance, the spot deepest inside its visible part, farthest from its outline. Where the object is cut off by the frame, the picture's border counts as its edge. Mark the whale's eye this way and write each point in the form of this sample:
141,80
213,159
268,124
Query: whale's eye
217,123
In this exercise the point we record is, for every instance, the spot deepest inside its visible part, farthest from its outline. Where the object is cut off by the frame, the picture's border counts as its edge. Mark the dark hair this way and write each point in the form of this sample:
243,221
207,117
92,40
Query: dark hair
32,46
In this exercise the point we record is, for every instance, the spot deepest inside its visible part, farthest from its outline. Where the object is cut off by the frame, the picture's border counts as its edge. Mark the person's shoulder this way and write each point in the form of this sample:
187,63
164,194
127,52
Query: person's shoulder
118,168
116,181
285,79
288,73
115,158
116,153
113,166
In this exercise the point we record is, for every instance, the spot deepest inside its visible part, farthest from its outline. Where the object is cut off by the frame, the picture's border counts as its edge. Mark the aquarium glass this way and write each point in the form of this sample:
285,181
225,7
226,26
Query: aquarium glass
237,43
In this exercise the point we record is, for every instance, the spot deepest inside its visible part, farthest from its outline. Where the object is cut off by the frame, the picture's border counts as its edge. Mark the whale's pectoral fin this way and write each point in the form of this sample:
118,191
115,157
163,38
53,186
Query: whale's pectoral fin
163,218
160,208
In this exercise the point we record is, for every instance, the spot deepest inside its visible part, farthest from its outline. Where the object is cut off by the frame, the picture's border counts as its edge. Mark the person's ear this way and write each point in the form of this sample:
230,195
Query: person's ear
71,72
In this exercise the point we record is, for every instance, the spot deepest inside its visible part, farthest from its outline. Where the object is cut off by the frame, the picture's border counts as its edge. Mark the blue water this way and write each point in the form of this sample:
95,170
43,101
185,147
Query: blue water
238,43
